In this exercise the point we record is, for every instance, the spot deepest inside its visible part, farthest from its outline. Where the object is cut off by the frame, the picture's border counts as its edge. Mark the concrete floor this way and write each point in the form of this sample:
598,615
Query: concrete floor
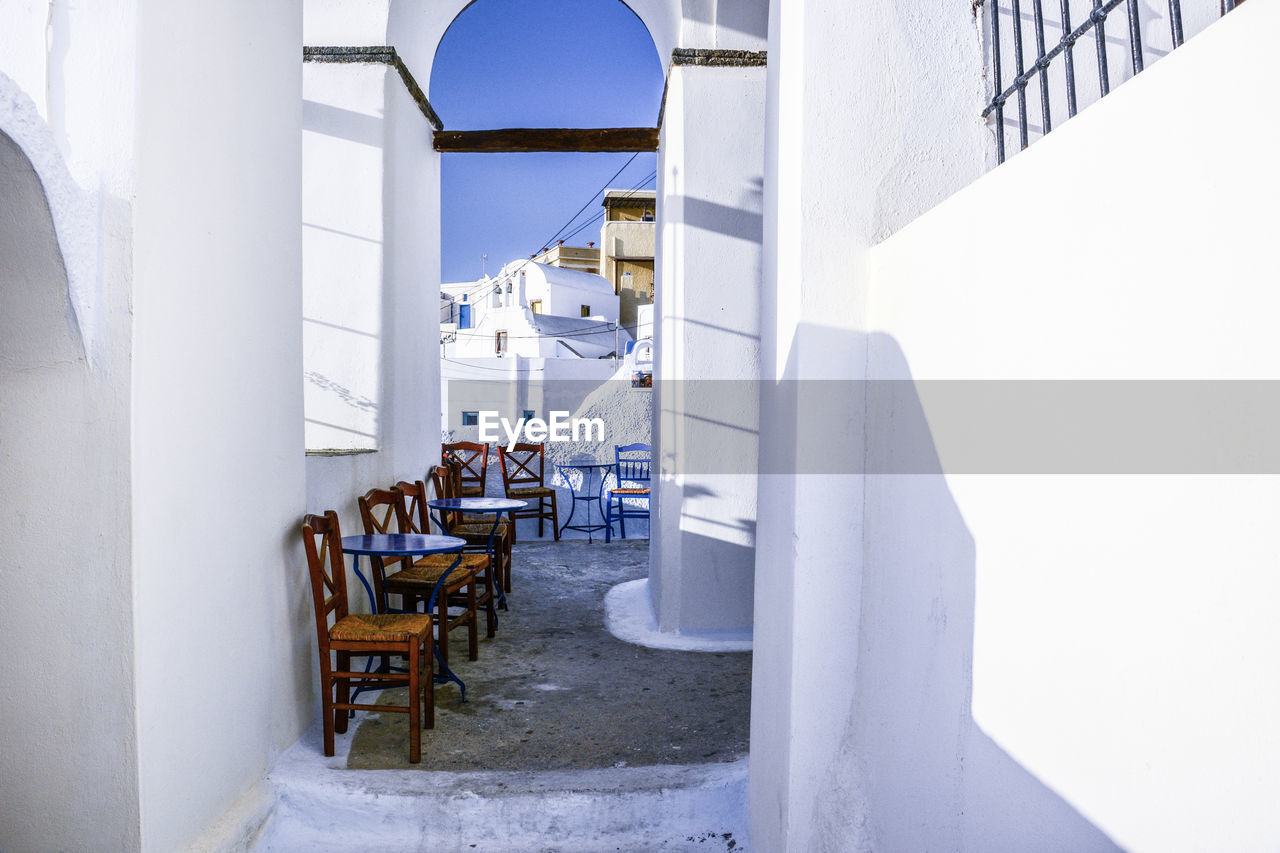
554,690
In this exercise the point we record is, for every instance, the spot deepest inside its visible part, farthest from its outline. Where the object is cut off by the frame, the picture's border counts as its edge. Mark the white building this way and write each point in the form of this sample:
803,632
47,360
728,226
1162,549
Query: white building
534,311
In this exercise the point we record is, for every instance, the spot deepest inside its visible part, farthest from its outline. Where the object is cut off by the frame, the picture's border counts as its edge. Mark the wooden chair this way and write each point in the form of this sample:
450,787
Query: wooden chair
522,480
382,511
475,529
473,459
417,519
408,635
631,467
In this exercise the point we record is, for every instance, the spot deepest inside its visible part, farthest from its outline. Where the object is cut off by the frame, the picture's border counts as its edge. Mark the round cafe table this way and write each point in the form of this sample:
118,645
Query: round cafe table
376,546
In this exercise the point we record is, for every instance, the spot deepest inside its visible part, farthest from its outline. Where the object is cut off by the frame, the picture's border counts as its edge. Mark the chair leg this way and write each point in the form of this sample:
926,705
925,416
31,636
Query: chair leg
491,611
608,517
344,693
329,712
442,626
429,686
473,620
415,721
555,518
622,517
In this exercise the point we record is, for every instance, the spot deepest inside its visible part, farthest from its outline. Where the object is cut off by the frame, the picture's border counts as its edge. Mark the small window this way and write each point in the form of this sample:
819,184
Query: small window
586,310
528,415
536,306
500,342
470,418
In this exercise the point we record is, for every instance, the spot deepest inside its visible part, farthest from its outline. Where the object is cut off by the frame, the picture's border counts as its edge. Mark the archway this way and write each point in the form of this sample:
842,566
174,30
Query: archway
66,595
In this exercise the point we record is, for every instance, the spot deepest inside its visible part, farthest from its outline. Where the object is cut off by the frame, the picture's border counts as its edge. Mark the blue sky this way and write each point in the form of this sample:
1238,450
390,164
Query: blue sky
537,63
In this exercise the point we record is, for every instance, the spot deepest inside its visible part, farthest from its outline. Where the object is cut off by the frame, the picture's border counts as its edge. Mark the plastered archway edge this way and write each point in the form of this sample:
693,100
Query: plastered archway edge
73,210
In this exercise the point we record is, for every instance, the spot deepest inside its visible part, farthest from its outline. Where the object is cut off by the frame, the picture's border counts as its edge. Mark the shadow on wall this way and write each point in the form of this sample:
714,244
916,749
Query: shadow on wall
927,774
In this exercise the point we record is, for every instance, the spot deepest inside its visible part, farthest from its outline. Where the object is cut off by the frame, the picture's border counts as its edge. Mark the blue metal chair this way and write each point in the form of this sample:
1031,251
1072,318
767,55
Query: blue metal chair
631,467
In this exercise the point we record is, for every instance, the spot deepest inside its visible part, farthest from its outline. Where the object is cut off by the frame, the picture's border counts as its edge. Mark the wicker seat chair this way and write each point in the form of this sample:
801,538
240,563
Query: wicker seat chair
382,511
475,529
522,469
407,635
473,461
632,470
417,519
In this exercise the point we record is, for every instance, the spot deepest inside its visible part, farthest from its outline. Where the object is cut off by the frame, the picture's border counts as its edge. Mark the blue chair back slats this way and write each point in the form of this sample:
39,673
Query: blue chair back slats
632,462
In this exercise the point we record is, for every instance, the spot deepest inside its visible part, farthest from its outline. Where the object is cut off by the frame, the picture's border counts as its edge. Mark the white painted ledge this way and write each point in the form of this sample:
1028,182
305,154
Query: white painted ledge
629,616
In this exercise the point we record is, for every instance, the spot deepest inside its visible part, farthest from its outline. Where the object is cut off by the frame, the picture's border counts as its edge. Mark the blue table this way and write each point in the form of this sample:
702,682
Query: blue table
480,506
379,545
588,468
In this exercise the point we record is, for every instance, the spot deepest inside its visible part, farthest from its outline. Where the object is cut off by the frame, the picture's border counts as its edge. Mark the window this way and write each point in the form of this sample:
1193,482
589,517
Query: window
470,418
536,306
586,310
528,415
500,342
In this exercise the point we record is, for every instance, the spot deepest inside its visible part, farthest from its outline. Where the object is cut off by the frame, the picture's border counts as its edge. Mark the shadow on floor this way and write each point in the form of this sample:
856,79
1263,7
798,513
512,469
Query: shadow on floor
554,690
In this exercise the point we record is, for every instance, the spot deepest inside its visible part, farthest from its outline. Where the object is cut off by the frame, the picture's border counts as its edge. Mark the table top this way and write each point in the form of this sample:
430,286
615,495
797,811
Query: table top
584,463
480,505
400,544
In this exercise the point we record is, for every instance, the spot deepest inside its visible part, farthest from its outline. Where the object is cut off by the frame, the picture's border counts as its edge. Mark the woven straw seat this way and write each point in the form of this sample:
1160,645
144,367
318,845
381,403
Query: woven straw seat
472,491
531,492
482,527
381,627
629,491
430,568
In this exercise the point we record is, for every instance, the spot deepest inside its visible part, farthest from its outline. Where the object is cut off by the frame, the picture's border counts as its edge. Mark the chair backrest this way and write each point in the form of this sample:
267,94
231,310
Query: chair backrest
417,517
446,481
633,461
323,541
521,466
383,511
473,459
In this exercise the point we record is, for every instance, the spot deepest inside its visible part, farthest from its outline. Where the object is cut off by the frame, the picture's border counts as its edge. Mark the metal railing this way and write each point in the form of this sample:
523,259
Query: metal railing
1122,55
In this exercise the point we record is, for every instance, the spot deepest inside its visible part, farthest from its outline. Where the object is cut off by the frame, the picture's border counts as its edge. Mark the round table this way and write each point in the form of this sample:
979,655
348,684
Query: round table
587,467
379,545
479,506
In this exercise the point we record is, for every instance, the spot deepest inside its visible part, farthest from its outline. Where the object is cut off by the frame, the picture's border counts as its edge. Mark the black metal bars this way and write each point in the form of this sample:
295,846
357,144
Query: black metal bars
1094,25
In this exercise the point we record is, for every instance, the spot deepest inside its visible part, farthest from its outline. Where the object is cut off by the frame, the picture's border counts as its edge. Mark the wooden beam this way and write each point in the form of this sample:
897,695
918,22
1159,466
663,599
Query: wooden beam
518,139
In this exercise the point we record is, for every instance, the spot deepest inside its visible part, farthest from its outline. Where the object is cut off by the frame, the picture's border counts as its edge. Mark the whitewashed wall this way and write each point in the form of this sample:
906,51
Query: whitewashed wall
707,328
398,345
67,750
872,117
1114,633
217,460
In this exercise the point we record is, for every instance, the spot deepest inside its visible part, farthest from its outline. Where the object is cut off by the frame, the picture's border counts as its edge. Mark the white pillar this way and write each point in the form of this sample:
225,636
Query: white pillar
707,348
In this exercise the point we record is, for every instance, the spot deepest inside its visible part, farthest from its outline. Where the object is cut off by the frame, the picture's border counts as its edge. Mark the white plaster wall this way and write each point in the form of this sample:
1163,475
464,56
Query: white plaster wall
872,118
217,467
344,149
1114,632
68,750
707,328
403,274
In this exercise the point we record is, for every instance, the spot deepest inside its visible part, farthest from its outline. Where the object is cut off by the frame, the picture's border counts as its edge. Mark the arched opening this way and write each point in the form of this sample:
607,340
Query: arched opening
520,336
64,605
